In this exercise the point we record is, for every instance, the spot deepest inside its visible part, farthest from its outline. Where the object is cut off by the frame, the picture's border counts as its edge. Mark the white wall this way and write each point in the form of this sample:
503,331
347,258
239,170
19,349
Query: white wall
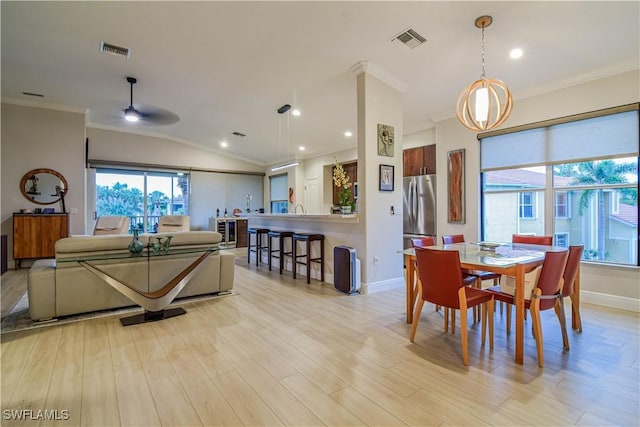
419,139
40,138
379,103
594,95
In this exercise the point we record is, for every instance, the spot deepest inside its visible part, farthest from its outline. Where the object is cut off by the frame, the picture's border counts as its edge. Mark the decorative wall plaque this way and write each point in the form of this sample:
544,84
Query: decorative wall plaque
385,140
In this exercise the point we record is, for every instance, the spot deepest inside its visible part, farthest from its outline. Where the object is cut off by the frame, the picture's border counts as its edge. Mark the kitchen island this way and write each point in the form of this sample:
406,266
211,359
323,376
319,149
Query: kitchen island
338,230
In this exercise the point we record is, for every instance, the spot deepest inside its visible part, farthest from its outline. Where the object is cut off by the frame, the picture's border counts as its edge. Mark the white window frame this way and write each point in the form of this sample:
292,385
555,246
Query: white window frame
533,204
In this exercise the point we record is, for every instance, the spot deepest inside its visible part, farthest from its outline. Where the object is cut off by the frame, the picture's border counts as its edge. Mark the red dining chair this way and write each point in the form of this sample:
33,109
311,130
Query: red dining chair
442,283
547,294
532,240
422,242
569,276
448,239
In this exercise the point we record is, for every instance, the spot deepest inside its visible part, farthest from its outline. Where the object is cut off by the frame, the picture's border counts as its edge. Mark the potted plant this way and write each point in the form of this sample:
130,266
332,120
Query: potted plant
341,181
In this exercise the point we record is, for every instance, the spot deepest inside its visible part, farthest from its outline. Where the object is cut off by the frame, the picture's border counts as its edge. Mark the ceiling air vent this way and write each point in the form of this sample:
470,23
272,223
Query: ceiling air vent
236,133
410,38
115,50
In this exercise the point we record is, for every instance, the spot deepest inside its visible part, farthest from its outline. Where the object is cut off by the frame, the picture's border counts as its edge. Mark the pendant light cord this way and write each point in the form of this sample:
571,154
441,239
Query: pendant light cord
484,75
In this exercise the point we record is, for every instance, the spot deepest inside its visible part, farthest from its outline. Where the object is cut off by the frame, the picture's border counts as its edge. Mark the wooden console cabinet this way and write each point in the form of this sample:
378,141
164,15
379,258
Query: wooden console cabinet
35,235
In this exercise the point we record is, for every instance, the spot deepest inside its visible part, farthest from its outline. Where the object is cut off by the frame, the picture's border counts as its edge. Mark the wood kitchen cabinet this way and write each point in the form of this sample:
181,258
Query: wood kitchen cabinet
241,233
35,235
419,161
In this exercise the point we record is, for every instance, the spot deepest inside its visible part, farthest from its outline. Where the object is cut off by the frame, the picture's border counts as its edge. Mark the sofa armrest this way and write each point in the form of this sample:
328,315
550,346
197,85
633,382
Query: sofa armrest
41,288
227,271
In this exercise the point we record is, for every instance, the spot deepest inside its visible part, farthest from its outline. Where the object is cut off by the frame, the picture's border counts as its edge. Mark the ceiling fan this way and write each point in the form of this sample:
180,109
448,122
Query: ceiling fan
148,114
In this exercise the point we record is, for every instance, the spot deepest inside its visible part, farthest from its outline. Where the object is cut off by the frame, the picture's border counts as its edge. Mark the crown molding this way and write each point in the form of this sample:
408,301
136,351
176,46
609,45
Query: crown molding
379,73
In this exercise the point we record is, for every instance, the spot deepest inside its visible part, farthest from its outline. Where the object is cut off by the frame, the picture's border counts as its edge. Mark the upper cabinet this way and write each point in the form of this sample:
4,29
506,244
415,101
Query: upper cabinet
419,161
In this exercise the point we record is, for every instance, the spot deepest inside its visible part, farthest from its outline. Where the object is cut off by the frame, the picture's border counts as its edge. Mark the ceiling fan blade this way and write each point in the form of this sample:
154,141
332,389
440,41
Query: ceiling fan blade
157,116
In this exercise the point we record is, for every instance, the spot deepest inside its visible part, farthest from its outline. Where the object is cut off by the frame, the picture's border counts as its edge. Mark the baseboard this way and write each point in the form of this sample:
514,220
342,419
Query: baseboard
383,285
612,301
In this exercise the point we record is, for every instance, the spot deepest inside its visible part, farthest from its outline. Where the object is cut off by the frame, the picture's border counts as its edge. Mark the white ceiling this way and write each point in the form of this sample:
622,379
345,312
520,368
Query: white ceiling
228,66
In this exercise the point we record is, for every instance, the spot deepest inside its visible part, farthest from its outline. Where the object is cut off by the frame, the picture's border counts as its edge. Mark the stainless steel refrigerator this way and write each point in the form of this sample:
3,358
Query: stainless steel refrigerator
419,210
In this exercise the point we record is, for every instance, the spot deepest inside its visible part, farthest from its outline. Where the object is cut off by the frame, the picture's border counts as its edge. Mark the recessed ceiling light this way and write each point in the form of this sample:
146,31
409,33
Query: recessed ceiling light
348,134
224,144
301,148
295,112
515,53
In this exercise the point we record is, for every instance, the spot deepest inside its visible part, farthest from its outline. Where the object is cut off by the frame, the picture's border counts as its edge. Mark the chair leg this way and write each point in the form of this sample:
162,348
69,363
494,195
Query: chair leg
463,332
575,311
488,310
508,319
453,320
559,308
484,322
446,320
491,308
416,319
537,329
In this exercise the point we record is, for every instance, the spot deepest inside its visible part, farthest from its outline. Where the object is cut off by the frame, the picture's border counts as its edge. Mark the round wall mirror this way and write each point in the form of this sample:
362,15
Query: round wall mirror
43,186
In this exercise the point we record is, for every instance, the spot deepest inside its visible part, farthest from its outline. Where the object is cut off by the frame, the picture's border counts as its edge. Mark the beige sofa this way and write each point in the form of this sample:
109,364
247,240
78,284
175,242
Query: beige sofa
61,286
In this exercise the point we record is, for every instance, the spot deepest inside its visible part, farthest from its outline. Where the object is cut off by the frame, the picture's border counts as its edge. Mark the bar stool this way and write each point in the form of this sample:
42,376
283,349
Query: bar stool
307,239
280,252
260,245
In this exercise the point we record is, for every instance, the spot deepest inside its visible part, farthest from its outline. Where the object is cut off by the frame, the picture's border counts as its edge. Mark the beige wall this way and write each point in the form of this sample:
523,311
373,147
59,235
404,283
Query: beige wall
39,138
594,95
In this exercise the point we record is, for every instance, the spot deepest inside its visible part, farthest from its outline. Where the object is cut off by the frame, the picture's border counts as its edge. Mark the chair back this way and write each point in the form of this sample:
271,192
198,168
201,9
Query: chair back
421,242
448,239
111,224
440,274
532,240
550,278
571,270
173,223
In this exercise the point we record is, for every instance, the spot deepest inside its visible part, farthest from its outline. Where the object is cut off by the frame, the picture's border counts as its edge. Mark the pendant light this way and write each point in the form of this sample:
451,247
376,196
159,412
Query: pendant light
487,102
281,111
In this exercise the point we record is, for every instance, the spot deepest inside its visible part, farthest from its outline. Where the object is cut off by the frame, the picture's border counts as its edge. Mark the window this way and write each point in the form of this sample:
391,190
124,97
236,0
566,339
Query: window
508,210
527,207
278,185
143,196
587,166
561,239
561,205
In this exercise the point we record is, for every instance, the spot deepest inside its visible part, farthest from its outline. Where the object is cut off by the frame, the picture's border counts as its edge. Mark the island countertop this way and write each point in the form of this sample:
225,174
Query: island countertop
350,218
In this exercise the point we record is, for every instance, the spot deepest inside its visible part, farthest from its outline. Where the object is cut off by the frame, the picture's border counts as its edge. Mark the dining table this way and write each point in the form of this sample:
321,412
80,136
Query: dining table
511,259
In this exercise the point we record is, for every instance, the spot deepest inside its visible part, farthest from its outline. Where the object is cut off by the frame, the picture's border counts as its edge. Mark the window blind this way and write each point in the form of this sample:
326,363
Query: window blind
612,135
278,187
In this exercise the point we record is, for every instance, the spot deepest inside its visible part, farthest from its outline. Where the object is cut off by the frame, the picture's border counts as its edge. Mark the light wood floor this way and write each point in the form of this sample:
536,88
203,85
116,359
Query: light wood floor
285,353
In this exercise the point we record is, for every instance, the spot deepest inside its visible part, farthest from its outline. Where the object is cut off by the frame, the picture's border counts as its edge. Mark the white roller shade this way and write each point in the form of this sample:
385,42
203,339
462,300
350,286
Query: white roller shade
279,187
614,135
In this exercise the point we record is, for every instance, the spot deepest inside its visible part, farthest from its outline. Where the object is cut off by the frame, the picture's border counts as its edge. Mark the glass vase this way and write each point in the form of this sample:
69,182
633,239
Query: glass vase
136,247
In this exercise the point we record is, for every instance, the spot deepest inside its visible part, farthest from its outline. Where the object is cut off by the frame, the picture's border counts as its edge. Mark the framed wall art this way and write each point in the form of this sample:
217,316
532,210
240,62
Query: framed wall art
455,185
385,140
386,178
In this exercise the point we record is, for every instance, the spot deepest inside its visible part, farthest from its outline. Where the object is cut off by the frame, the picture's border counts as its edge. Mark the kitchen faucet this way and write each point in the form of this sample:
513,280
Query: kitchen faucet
296,208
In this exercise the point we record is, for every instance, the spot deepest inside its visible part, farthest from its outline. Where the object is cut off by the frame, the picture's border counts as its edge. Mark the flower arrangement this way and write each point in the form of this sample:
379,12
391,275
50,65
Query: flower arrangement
341,180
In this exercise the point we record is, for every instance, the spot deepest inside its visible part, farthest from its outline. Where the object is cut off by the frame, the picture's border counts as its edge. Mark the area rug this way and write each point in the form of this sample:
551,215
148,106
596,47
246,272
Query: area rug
18,319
